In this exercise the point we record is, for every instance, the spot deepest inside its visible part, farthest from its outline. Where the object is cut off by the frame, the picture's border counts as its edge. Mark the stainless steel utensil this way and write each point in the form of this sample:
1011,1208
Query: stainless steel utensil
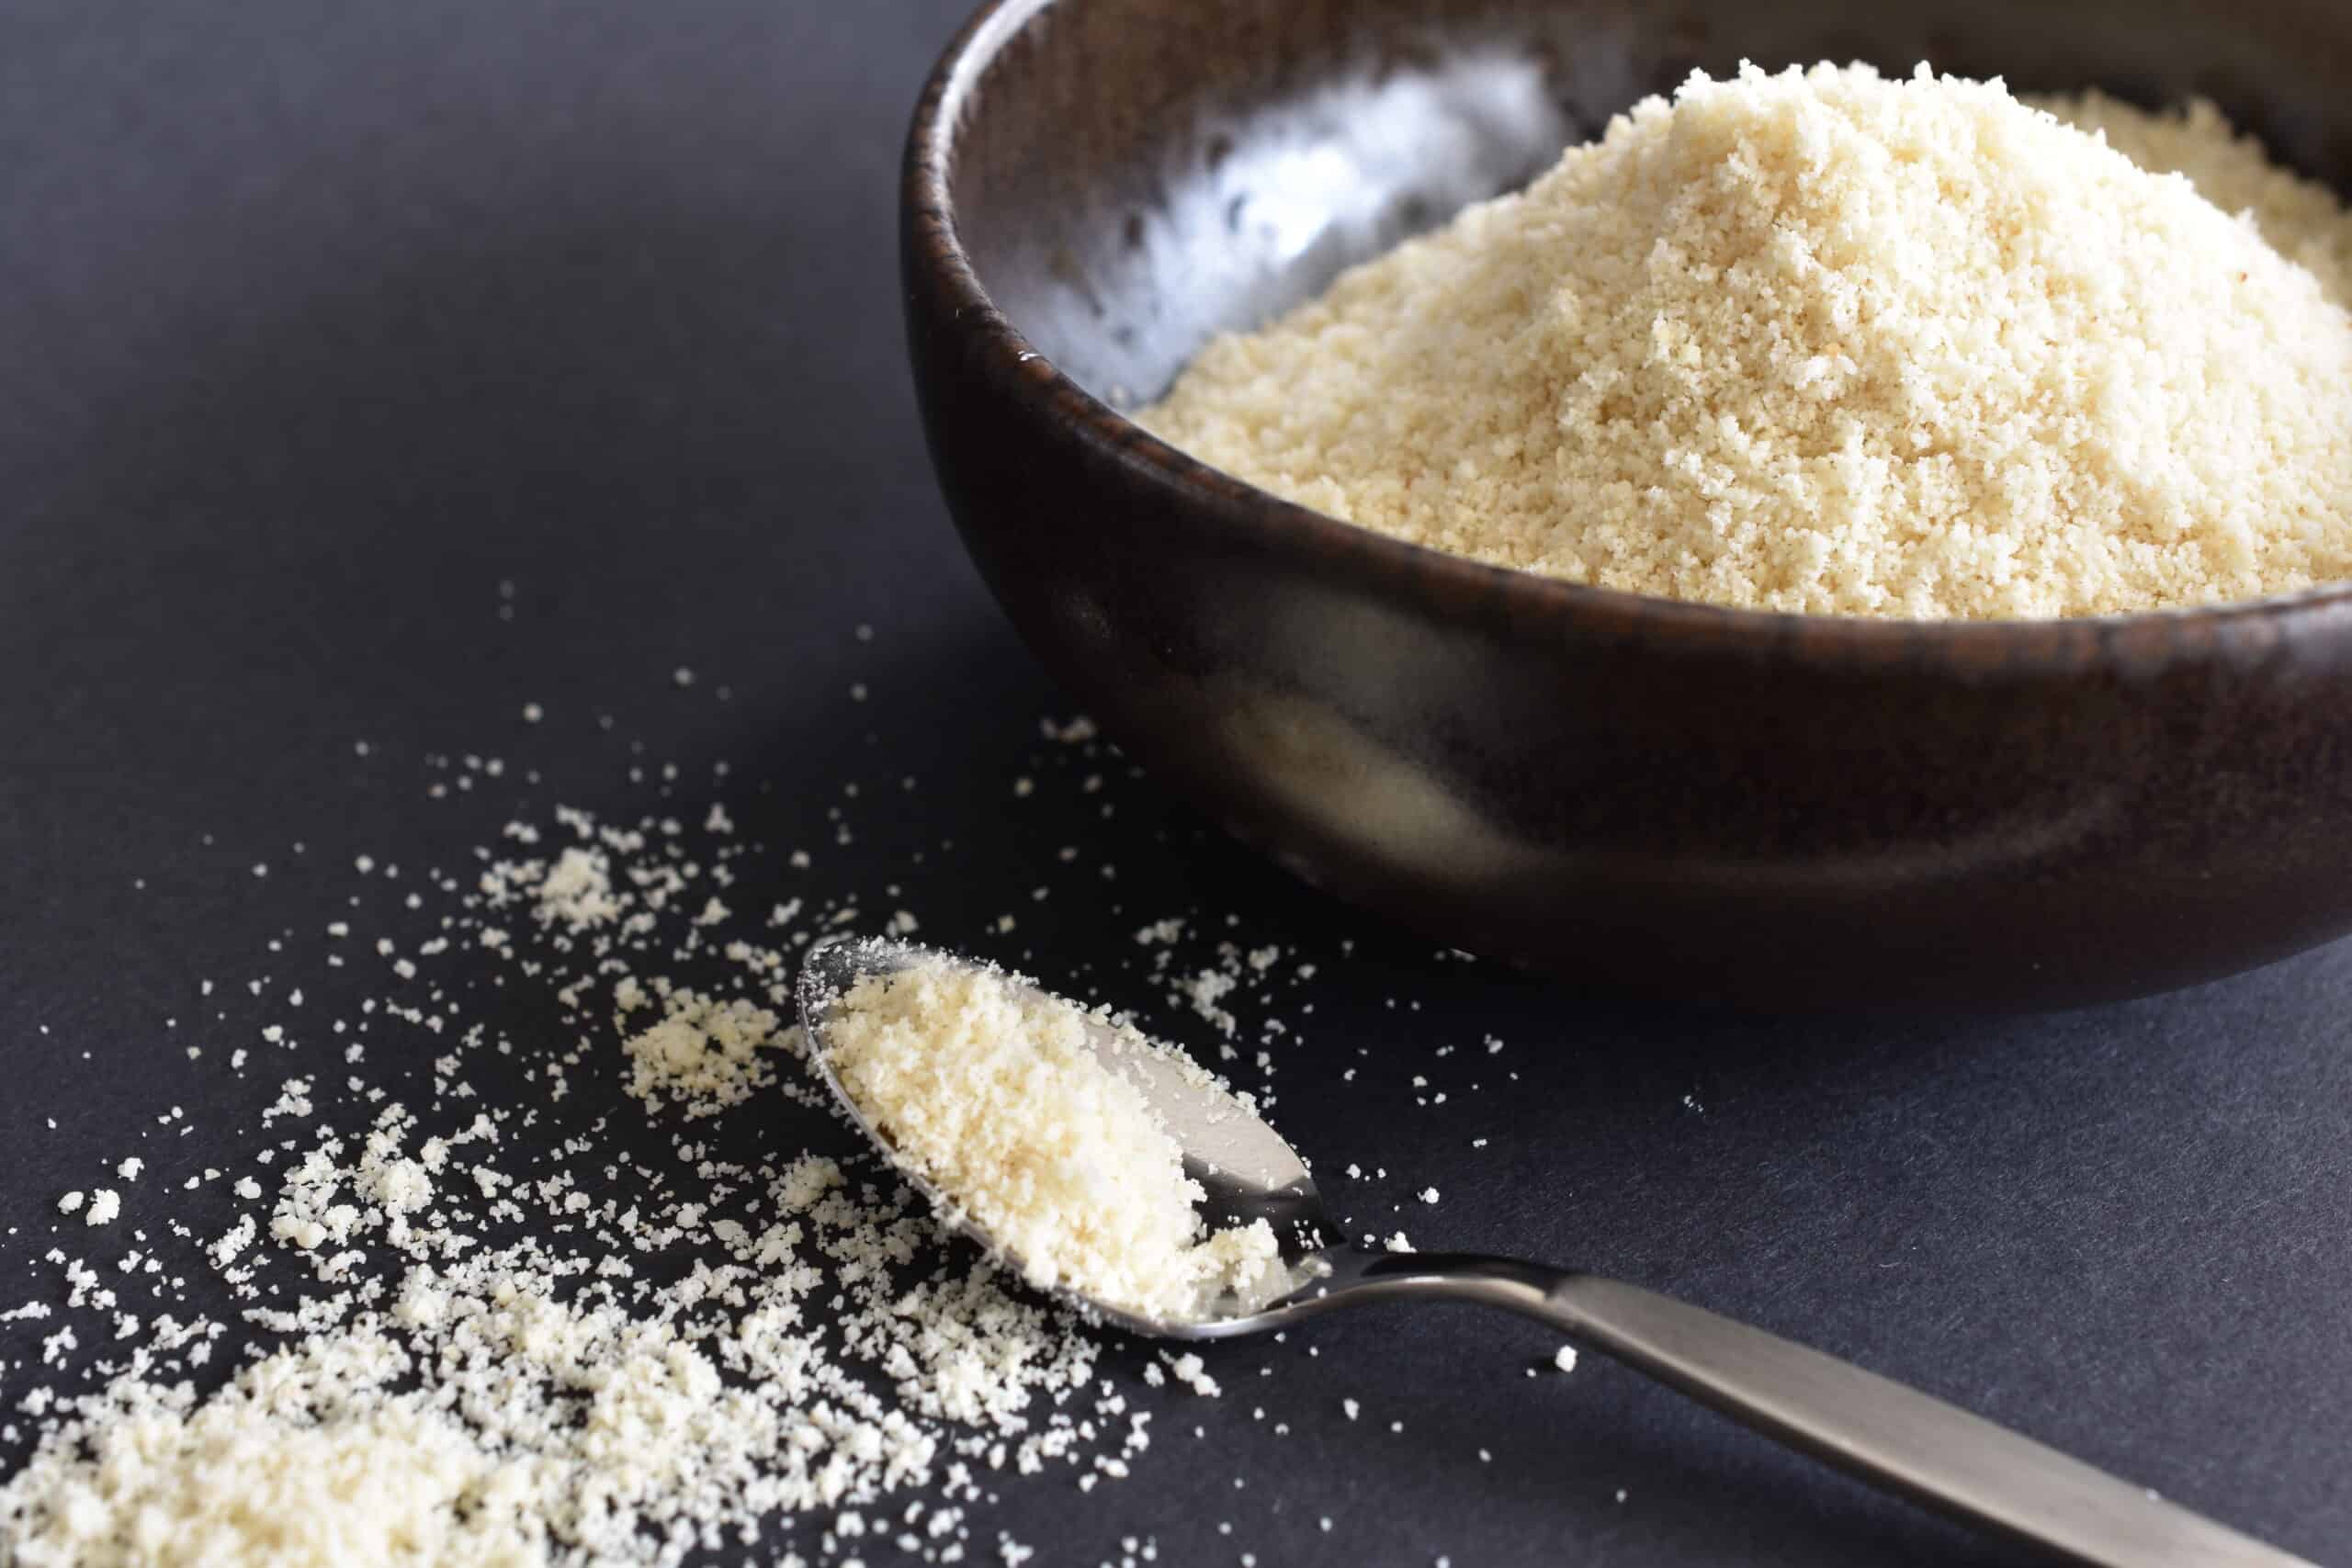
1891,1435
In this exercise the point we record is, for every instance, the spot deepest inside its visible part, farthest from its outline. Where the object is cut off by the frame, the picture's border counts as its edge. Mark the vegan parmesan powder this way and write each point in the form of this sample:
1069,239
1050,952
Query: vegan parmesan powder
517,1231
537,1258
1826,343
994,1093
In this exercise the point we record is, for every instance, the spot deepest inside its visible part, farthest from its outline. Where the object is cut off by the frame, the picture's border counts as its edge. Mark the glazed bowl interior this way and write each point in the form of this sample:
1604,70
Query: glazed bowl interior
1292,142
1774,811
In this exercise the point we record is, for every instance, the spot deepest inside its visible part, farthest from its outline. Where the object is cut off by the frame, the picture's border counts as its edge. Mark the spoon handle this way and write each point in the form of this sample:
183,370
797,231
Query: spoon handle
1888,1434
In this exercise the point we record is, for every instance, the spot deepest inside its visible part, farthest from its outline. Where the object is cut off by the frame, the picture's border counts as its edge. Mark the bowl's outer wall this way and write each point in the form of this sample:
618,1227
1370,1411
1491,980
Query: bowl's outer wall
1762,810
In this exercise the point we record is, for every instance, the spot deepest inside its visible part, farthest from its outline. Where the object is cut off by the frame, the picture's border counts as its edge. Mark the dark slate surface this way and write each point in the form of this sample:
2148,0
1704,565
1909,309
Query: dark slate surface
316,323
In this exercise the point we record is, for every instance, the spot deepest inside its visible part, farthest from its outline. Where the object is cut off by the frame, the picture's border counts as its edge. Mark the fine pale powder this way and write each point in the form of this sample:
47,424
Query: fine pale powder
1827,342
994,1093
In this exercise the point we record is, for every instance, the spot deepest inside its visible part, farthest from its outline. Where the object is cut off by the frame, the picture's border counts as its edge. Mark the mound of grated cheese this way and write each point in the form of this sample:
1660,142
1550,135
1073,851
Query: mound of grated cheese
1827,342
995,1094
2301,219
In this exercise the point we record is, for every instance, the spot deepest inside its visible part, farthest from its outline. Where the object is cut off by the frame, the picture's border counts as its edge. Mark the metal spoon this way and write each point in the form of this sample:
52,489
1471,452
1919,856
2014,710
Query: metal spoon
1891,1435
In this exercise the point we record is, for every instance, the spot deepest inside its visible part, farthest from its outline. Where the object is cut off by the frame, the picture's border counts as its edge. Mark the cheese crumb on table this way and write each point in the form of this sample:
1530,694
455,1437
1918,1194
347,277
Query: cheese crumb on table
481,1295
1192,1372
1827,342
705,1053
995,1093
243,1479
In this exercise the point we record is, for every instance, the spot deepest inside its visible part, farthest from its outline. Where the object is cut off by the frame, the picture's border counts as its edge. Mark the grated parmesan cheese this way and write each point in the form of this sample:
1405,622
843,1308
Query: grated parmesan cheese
996,1094
1826,342
703,1055
463,1298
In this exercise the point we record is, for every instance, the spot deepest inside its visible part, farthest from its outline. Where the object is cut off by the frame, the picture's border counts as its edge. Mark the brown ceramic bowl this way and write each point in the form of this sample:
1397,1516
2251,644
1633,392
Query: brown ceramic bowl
1767,810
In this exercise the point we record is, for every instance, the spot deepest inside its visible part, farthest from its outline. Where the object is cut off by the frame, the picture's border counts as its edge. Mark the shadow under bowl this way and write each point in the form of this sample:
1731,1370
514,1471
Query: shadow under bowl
1770,811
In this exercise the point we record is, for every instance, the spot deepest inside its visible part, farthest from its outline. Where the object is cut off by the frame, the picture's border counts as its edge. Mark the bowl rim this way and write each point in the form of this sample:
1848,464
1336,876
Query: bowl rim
1029,380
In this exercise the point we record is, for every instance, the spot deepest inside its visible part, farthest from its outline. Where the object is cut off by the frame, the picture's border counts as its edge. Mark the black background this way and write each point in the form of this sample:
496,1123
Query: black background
318,323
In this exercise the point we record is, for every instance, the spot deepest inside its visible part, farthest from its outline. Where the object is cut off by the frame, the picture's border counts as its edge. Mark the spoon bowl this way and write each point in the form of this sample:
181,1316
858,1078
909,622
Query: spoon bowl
1888,1434
1245,1170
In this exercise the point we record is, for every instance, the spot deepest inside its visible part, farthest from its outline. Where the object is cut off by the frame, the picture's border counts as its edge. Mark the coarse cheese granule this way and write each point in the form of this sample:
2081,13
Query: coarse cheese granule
1827,342
995,1094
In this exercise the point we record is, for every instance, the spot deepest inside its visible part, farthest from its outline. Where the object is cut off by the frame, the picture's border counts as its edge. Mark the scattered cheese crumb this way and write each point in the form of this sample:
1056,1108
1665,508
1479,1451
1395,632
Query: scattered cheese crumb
705,1054
1189,1370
